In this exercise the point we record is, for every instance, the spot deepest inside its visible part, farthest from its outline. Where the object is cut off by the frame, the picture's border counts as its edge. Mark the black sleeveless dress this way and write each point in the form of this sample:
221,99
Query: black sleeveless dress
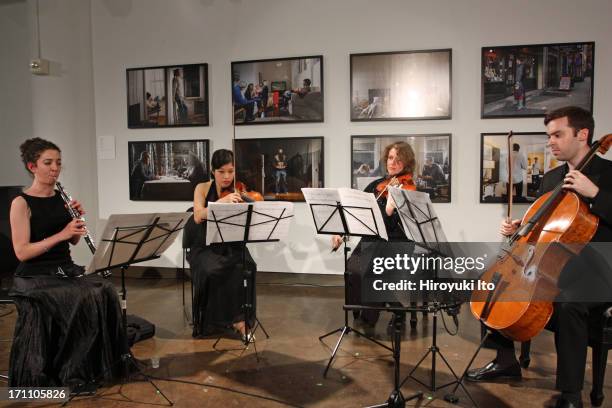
218,293
69,328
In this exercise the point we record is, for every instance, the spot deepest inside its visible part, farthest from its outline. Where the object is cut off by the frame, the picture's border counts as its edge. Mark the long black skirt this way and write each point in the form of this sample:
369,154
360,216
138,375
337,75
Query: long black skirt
218,291
68,331
359,269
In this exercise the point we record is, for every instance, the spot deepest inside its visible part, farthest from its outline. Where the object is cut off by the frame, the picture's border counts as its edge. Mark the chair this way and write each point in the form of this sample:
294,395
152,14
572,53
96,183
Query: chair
600,341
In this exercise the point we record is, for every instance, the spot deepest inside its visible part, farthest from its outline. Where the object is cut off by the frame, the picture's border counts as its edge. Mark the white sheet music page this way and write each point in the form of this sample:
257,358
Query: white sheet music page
270,220
230,222
422,211
359,220
324,201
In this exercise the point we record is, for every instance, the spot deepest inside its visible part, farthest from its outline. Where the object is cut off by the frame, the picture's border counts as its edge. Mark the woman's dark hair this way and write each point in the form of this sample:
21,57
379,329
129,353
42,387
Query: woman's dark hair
220,158
31,150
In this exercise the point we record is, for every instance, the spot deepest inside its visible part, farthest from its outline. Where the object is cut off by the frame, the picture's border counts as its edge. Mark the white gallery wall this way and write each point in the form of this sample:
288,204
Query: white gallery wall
59,106
139,33
15,88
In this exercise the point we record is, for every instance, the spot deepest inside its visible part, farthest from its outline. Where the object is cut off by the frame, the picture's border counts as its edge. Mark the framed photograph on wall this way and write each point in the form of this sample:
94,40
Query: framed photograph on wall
530,160
406,85
167,170
287,90
529,80
432,153
279,168
170,96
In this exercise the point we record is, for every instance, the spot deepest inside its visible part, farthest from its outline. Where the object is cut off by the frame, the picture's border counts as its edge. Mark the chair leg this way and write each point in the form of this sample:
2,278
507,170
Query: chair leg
183,278
600,359
413,316
525,358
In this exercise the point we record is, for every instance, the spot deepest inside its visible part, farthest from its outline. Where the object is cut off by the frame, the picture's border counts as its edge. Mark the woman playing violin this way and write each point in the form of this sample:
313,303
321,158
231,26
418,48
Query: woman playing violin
399,162
217,270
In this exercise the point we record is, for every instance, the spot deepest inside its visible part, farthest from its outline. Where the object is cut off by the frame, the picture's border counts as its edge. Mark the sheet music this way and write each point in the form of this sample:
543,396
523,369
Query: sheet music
265,222
230,221
159,240
359,220
325,201
133,229
269,221
422,212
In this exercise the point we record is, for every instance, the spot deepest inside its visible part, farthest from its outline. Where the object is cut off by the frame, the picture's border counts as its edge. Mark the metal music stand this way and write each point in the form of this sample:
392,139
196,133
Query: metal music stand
134,238
245,223
344,212
420,221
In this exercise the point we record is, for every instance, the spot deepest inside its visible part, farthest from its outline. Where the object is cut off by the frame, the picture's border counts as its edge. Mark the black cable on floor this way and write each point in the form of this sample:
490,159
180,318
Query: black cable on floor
219,387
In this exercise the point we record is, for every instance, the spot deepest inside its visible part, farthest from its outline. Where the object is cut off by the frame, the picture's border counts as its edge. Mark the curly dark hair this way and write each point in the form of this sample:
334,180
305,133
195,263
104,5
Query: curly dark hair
31,150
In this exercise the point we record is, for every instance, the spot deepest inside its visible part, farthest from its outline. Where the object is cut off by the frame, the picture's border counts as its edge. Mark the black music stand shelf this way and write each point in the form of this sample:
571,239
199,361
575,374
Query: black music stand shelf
421,223
129,244
343,211
253,226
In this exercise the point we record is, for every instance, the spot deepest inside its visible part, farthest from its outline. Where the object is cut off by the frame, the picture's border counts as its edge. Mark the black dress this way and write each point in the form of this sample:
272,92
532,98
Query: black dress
68,329
217,281
361,260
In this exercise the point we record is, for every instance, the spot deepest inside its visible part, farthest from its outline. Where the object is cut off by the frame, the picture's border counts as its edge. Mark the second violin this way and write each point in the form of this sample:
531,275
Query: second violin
241,188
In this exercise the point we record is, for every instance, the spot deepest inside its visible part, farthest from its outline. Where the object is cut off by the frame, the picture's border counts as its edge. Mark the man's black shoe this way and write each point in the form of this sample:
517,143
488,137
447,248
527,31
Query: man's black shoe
564,403
494,371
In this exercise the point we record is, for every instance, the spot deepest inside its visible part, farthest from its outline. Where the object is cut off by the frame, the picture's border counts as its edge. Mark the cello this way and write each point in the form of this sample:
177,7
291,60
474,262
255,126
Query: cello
555,228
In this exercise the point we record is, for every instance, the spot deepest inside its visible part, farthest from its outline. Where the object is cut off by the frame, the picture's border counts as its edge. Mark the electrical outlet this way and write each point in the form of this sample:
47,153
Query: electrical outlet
39,66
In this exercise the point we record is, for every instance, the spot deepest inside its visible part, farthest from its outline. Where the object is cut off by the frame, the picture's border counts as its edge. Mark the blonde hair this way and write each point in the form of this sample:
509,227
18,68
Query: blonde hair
404,153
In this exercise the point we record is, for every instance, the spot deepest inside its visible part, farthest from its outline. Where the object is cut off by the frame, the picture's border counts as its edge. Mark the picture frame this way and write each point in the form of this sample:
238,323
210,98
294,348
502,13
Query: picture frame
167,96
167,170
401,85
432,177
279,90
520,81
533,159
280,176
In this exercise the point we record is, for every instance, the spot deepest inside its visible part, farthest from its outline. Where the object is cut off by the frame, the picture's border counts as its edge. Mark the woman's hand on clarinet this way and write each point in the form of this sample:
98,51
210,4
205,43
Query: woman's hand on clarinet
231,198
75,228
77,206
508,228
336,241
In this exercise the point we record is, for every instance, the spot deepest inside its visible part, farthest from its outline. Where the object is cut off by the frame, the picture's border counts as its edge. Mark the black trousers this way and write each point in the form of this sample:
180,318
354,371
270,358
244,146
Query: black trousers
570,324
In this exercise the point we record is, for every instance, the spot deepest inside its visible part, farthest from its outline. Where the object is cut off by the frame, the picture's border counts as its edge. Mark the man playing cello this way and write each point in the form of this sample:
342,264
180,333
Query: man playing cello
570,133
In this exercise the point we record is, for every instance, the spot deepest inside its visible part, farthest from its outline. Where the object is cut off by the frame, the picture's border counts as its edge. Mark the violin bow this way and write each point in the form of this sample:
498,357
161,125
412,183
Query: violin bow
234,146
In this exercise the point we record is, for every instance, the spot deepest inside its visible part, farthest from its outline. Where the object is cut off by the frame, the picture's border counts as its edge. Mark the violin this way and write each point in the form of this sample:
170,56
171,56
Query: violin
404,181
241,188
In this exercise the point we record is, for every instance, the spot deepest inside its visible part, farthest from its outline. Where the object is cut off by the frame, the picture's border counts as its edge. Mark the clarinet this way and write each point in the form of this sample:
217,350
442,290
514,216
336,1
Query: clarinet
75,215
